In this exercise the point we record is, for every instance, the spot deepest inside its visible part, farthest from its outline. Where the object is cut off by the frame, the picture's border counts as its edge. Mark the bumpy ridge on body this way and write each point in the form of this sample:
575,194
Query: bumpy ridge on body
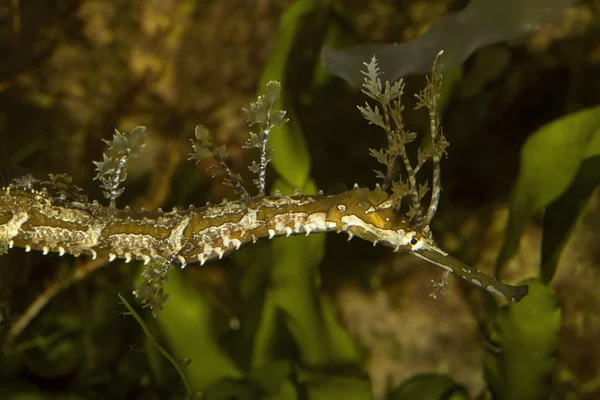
36,220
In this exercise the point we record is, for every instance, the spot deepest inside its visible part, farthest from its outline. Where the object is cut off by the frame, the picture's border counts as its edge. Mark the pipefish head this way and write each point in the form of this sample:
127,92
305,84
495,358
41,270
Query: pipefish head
369,215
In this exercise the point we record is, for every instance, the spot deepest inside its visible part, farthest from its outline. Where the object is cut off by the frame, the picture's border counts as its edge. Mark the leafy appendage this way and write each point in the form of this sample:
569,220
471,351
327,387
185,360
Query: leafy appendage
204,148
388,116
151,290
429,98
382,157
63,190
263,114
399,190
111,170
390,120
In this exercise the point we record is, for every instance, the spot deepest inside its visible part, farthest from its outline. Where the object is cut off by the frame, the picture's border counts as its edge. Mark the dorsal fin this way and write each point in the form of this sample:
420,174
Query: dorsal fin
337,188
16,174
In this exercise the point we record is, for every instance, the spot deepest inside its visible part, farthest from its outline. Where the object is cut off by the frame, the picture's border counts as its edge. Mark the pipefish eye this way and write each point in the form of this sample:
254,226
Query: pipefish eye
414,240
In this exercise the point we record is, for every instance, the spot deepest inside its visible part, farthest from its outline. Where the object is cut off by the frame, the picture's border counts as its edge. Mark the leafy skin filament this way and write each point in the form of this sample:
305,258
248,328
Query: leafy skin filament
35,220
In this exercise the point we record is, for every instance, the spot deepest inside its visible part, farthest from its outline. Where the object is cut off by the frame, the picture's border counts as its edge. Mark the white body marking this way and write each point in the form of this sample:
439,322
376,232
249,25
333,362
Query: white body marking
395,239
12,227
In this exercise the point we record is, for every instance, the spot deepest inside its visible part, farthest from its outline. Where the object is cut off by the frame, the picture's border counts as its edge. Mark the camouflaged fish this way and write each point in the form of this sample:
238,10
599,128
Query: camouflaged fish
56,216
37,219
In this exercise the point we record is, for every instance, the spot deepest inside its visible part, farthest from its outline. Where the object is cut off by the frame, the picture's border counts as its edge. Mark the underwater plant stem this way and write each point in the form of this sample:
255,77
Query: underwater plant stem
80,272
161,349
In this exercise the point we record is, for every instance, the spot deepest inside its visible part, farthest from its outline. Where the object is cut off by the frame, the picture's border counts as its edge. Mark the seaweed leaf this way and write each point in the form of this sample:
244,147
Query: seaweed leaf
561,216
287,380
187,326
161,349
550,160
523,340
459,34
429,387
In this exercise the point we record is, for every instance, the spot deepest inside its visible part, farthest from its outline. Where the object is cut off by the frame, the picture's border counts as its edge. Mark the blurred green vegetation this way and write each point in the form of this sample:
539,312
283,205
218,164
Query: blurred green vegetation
304,317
